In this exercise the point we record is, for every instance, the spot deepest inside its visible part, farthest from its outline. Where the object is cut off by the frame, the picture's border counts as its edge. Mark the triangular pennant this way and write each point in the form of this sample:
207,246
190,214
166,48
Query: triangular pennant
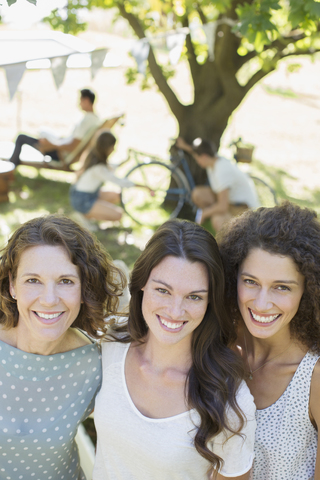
14,74
140,51
97,59
175,44
58,67
210,33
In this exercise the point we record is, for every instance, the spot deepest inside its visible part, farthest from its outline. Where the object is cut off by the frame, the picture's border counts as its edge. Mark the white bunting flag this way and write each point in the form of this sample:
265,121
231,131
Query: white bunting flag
14,75
58,67
210,33
97,59
175,44
140,51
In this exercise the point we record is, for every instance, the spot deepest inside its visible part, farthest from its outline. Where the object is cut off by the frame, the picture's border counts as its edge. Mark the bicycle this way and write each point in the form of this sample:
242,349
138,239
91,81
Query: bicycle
172,184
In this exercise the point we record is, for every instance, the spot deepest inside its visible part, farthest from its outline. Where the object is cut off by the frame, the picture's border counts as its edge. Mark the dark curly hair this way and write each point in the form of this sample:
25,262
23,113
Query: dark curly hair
216,371
287,230
101,281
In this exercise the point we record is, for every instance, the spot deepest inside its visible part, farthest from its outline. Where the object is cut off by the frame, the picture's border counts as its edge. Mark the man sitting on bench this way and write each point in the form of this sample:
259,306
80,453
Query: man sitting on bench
59,148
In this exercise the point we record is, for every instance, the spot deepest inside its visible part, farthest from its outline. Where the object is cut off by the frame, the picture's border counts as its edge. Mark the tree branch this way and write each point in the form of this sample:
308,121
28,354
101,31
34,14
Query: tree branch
279,46
255,79
226,56
192,59
176,107
296,54
202,16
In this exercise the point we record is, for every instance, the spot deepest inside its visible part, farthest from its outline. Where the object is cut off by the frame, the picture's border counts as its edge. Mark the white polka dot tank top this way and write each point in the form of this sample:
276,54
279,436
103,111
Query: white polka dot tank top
286,441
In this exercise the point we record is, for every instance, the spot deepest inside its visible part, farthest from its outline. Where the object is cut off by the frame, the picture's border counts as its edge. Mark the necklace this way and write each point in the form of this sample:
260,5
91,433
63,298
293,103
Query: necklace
273,358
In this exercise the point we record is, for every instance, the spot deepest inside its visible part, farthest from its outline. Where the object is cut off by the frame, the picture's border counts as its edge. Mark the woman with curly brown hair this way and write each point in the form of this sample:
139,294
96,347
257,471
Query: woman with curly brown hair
56,287
272,265
172,401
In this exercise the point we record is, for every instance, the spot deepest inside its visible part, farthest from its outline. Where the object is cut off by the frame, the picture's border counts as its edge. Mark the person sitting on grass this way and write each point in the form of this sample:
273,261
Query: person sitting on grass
230,191
86,195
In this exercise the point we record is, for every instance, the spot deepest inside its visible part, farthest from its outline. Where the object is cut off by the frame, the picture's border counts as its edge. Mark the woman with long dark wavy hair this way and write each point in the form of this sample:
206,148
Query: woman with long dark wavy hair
272,265
173,404
87,196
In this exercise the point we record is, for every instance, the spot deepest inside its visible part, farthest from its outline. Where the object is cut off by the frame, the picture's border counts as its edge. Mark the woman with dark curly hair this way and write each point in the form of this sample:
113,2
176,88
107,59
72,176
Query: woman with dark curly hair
56,287
272,265
172,401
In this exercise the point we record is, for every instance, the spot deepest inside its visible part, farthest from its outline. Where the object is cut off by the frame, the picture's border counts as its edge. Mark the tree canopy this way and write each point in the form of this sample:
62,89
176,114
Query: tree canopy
250,38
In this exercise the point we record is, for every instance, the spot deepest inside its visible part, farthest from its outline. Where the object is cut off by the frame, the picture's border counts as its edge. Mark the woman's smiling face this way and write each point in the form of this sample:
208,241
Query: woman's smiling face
175,299
270,288
47,288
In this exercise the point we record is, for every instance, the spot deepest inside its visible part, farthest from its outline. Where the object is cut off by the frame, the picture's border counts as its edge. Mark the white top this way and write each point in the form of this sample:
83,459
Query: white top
286,441
92,179
88,122
226,175
134,447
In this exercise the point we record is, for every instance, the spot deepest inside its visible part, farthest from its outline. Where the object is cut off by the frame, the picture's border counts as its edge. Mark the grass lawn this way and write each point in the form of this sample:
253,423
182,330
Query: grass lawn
38,192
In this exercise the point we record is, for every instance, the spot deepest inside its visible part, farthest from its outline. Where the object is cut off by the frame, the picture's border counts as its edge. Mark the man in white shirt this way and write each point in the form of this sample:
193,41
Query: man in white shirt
58,148
231,191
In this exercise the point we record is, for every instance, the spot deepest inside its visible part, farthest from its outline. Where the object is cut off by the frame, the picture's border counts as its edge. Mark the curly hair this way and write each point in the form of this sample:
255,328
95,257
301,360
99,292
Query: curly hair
287,230
216,371
101,281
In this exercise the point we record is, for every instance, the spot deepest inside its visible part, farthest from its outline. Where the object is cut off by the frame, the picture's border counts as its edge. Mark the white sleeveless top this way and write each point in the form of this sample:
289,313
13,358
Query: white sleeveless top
286,441
132,446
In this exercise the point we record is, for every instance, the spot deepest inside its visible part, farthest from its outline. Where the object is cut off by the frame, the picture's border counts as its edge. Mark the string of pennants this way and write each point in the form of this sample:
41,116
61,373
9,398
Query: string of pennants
14,72
175,41
140,50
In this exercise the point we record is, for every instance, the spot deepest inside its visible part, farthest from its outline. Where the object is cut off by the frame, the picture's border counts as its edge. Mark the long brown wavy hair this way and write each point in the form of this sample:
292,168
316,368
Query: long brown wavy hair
101,282
100,152
287,230
216,371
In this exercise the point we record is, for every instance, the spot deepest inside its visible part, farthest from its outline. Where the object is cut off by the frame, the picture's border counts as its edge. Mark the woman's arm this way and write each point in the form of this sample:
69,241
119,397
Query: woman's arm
315,411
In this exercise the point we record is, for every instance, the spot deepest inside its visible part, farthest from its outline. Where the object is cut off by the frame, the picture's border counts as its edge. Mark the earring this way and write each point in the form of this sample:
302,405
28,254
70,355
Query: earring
13,296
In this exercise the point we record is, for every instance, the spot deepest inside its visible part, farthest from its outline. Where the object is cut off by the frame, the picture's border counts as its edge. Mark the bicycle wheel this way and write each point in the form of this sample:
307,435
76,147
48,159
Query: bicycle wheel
170,193
266,194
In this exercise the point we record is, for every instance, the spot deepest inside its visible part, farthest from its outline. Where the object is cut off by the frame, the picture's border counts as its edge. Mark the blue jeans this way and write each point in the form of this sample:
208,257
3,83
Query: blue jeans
83,201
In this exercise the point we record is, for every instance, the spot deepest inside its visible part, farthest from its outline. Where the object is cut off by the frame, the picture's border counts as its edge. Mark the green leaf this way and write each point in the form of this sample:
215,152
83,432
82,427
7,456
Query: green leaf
313,8
11,2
